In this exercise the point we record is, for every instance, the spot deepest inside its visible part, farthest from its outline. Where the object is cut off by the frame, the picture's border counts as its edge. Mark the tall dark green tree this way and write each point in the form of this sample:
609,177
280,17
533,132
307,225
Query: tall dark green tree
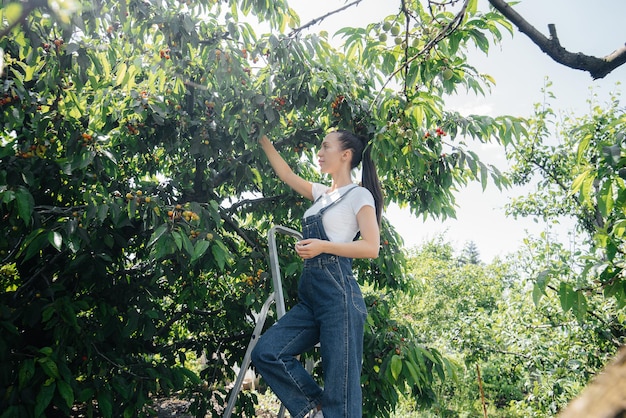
470,254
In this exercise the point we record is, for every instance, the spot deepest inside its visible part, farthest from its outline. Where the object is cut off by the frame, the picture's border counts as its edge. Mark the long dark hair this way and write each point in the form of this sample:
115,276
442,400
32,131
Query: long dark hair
361,153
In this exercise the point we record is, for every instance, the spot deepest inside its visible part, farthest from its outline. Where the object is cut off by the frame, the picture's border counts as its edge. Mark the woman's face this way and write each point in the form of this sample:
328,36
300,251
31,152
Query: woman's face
331,158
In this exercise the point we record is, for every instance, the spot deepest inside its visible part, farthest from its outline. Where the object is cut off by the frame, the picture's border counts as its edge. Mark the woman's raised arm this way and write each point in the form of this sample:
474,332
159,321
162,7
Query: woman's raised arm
283,171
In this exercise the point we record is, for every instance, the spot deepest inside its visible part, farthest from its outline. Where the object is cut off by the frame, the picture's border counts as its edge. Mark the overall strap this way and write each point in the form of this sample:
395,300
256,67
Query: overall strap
341,196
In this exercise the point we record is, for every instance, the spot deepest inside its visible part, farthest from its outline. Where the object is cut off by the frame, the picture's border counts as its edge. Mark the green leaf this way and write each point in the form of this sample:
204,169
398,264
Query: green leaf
199,249
27,371
105,404
9,195
291,268
33,243
55,239
66,392
46,351
567,296
25,204
189,374
484,173
540,285
396,366
619,229
605,198
49,367
158,233
612,154
178,239
420,351
220,256
121,74
129,412
414,372
103,210
44,397
481,40
187,244
537,294
109,155
11,13
472,7
583,145
471,162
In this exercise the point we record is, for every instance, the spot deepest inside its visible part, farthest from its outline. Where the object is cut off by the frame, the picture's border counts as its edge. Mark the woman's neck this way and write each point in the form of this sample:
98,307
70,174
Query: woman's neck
340,181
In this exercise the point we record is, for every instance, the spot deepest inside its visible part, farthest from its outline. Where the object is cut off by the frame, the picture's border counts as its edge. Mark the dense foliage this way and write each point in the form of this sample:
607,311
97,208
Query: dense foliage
135,203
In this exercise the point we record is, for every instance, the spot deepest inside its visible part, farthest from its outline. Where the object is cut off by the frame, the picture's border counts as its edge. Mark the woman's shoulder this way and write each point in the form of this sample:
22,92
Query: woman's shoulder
362,191
362,196
318,189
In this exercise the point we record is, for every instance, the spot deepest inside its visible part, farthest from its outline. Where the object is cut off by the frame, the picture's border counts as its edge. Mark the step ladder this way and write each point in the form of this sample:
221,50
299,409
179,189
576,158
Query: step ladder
276,296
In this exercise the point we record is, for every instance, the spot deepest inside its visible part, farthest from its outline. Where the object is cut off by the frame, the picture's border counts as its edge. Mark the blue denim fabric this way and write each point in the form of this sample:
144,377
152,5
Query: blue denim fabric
331,311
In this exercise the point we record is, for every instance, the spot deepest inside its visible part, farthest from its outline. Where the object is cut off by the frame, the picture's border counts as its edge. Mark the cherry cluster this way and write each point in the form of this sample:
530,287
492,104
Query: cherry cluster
8,99
165,53
439,132
335,105
279,102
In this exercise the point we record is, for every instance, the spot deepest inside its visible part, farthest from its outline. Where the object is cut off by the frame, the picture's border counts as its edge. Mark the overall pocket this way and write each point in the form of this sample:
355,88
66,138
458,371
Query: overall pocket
356,295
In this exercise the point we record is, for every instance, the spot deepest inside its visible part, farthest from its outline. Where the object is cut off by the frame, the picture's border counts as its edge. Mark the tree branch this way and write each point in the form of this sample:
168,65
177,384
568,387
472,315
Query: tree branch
596,67
319,19
244,202
235,227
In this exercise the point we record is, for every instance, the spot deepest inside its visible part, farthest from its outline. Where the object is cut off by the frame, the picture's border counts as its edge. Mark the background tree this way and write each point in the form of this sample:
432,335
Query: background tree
532,359
470,254
579,173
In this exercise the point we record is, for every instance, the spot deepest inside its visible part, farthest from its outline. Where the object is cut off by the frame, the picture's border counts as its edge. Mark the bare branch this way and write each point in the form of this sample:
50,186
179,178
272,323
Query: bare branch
245,202
319,19
596,67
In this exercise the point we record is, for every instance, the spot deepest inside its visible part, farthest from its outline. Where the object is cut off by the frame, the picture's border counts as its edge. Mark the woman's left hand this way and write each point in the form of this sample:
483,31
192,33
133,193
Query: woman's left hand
309,248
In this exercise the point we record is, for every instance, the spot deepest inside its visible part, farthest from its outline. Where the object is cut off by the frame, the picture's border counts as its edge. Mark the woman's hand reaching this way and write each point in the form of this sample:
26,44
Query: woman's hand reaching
284,172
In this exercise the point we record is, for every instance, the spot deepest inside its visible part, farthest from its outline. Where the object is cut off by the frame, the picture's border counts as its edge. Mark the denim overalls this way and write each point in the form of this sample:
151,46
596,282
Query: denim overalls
331,311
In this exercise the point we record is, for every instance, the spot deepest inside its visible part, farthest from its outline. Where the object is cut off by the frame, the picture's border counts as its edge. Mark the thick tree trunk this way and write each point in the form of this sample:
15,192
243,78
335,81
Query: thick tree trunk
605,396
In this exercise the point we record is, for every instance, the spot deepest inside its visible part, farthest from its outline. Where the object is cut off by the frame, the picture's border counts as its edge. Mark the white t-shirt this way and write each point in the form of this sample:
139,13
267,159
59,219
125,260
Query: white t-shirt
340,221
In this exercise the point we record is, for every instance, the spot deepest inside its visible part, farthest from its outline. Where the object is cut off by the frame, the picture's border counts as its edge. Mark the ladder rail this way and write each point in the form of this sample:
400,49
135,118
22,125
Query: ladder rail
245,363
276,296
275,266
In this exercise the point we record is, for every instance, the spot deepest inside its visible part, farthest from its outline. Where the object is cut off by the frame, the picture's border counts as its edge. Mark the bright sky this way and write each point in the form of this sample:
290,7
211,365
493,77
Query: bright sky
519,67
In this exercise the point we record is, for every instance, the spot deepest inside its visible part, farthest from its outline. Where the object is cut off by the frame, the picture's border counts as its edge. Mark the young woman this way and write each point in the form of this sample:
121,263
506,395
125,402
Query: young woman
330,309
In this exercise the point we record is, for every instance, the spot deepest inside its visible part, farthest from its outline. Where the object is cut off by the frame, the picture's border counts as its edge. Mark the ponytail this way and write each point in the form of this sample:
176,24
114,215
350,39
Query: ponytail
362,153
